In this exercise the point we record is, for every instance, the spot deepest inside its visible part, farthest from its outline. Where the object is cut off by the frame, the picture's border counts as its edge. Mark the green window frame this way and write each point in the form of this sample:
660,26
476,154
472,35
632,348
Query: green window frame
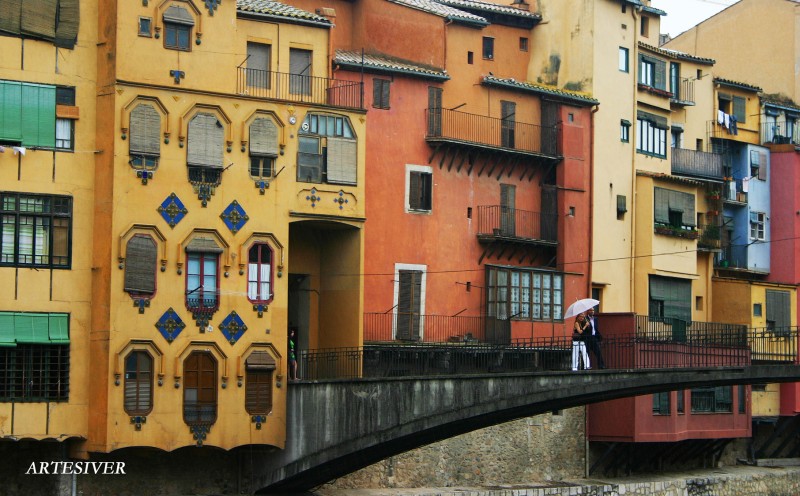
27,114
670,301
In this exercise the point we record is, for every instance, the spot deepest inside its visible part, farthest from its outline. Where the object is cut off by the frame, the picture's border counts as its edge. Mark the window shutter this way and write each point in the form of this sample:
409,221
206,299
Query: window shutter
309,160
206,137
38,115
739,109
178,15
408,304
258,56
299,70
661,201
342,163
689,218
661,74
10,16
385,94
38,18
140,265
68,22
258,391
264,137
762,169
414,190
10,109
145,129
203,245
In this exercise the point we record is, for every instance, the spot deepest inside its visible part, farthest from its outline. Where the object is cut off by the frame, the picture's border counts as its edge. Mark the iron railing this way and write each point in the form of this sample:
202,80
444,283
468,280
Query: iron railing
710,236
413,327
498,220
683,94
300,88
733,191
34,372
705,333
734,257
780,133
491,131
697,163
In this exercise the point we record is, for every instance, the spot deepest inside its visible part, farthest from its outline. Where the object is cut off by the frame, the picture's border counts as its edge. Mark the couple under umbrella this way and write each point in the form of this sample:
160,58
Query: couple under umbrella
586,335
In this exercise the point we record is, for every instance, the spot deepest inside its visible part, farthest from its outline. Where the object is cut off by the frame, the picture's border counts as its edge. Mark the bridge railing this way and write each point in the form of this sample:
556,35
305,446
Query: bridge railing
655,347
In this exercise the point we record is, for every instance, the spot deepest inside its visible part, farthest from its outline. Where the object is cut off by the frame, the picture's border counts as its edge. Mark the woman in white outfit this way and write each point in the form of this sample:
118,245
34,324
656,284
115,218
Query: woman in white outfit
578,344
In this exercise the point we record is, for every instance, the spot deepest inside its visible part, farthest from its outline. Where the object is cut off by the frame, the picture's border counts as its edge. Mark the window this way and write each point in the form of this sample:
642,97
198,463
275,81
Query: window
34,356
508,203
36,230
64,133
141,261
202,281
178,25
263,147
259,368
523,44
670,301
470,57
65,95
138,383
409,304
624,65
758,164
742,398
332,159
625,131
674,208
517,293
145,27
259,59
661,404
36,126
508,111
757,223
204,156
779,312
434,111
676,135
380,93
652,72
651,138
200,388
675,80
259,273
299,71
144,143
419,189
757,309
645,27
681,401
488,48
712,399
739,109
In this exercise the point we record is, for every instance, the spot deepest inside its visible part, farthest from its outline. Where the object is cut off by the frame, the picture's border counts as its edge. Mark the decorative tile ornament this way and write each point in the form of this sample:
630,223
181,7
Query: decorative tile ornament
212,5
172,210
141,304
199,432
313,197
138,420
170,325
341,200
258,420
233,327
234,217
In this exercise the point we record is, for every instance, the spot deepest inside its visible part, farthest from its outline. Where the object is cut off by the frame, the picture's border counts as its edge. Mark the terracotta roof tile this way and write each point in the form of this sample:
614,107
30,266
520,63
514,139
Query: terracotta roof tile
443,10
573,96
277,9
386,64
491,7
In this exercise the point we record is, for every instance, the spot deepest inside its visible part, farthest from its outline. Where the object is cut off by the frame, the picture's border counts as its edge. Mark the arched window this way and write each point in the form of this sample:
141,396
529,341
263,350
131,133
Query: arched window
138,383
202,274
259,273
145,128
263,147
258,383
140,266
205,153
200,388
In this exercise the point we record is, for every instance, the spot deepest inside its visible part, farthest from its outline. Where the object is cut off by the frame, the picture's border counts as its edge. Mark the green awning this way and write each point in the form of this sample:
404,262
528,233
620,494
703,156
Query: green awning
33,328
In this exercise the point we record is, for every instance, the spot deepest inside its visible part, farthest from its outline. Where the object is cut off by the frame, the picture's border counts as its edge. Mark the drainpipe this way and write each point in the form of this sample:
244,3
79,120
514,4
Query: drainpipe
635,64
591,199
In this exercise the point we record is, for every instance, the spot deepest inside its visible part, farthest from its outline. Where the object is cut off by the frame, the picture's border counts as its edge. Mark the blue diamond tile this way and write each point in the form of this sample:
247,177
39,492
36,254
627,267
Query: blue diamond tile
233,327
234,217
172,210
170,325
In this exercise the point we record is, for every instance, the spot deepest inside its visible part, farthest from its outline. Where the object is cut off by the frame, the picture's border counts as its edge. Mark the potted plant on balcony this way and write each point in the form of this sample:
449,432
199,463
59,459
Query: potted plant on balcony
714,195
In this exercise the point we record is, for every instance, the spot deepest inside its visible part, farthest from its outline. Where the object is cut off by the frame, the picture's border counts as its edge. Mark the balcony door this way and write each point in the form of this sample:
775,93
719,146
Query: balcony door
299,71
409,304
508,112
258,64
434,111
508,196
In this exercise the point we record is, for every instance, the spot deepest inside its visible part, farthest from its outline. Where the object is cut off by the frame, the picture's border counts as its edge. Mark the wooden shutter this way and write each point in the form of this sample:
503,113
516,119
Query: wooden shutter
206,137
508,194
380,93
38,18
258,383
138,383
739,109
661,205
508,112
550,119
178,15
145,129
779,309
10,16
38,115
661,74
685,203
414,188
264,137
140,265
200,388
10,110
434,111
342,164
68,23
258,56
762,169
300,71
409,304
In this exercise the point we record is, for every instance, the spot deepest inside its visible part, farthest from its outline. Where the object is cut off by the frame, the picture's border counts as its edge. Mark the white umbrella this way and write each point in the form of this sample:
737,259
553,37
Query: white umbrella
580,306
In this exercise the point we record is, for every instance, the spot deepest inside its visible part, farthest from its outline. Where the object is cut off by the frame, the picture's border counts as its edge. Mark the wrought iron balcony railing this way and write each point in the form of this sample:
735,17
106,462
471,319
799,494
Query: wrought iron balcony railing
500,221
492,132
683,94
300,88
710,237
733,256
656,328
697,163
780,133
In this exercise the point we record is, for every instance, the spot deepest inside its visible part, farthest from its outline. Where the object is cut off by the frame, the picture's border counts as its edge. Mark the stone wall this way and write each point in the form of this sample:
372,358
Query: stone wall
547,447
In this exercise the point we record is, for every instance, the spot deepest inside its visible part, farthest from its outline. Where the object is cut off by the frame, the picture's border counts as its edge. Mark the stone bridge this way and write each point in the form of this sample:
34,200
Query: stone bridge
337,427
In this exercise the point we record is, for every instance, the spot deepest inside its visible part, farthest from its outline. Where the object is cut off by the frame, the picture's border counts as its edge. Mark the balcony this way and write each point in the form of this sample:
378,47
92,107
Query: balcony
709,238
781,133
299,88
683,94
697,163
496,222
492,134
733,257
733,193
413,327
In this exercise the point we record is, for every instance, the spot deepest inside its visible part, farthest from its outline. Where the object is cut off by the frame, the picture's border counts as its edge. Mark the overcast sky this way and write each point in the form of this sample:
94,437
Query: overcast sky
683,14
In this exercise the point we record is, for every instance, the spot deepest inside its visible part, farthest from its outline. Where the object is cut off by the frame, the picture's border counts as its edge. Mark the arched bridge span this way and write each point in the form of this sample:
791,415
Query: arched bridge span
337,427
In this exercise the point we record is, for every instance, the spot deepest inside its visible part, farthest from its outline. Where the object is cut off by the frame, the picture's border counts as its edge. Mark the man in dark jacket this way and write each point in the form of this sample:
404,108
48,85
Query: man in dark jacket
593,339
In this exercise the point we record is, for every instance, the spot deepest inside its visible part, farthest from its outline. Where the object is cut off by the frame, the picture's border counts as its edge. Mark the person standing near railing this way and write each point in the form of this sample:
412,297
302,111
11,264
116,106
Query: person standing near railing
579,331
293,354
593,338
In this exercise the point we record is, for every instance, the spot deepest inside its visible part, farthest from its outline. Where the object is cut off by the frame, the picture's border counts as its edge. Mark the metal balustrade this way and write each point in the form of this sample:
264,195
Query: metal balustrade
497,220
300,88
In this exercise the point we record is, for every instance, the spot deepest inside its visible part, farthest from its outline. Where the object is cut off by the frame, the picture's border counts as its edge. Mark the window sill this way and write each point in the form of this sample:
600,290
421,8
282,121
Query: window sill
655,91
676,232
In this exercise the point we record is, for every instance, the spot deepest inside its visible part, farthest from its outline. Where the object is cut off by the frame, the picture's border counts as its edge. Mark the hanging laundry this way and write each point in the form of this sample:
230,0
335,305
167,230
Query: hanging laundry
727,121
2,149
720,117
734,129
746,184
732,190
